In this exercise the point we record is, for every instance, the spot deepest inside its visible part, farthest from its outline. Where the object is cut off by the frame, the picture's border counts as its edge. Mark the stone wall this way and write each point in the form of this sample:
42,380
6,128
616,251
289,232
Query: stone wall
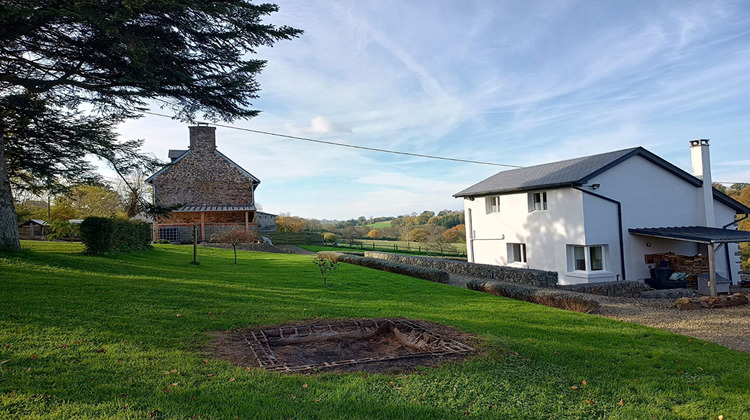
537,278
610,288
203,177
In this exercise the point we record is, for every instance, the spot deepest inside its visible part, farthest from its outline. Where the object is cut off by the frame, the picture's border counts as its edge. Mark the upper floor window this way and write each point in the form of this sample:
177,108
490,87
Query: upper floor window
587,258
537,201
492,203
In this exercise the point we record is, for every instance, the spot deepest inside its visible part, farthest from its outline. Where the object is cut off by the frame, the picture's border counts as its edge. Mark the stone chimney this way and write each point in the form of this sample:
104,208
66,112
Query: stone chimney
701,161
202,138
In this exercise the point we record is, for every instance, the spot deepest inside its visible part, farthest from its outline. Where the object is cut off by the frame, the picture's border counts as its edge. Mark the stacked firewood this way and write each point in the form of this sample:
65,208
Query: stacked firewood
692,265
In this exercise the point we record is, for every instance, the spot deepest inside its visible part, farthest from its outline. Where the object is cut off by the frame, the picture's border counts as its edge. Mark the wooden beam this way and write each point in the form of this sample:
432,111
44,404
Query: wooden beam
156,229
203,228
247,222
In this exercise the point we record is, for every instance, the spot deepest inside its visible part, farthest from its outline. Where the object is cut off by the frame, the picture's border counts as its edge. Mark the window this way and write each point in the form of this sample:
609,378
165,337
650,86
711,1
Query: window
587,258
169,233
492,203
537,201
579,258
596,256
517,253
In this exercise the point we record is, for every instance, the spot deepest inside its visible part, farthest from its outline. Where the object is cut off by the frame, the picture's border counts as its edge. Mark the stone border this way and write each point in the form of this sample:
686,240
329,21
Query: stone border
736,299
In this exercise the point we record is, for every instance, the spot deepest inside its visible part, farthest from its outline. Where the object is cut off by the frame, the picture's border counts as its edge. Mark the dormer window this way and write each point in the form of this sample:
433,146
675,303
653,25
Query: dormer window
492,203
537,201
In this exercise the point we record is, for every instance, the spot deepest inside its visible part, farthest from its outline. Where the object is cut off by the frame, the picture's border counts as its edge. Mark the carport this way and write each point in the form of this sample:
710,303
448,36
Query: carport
715,238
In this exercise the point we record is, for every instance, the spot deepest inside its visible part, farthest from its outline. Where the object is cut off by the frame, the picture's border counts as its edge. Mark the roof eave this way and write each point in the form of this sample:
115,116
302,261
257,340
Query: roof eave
517,190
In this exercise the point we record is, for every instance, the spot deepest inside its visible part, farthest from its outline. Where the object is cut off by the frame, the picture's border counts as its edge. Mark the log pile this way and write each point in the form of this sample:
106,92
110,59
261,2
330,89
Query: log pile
693,266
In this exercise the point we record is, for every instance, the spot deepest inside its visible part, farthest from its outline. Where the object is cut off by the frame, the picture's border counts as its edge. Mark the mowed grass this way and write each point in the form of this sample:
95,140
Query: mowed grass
379,225
124,337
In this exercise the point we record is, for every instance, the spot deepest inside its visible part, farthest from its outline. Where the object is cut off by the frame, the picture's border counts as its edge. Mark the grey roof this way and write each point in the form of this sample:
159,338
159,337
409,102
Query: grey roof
566,172
577,172
214,208
700,234
174,154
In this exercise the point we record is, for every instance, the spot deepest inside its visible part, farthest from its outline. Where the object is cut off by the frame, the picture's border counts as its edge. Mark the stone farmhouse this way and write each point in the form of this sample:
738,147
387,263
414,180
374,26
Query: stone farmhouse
603,218
215,193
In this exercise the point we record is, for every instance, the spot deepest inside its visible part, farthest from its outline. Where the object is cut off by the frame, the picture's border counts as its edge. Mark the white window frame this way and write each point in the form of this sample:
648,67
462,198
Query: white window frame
492,204
542,201
588,250
517,253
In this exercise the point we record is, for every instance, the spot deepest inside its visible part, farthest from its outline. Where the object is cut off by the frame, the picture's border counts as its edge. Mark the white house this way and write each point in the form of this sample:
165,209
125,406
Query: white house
594,218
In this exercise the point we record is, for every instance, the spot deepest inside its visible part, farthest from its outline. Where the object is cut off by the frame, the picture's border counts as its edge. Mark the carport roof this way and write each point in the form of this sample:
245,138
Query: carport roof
701,234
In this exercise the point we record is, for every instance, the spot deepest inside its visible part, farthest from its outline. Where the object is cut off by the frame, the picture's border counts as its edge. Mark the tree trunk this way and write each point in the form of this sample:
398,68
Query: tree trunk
8,220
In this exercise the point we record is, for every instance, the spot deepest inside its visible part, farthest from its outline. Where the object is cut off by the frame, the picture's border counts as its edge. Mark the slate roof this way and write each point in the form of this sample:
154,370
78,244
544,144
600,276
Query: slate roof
578,171
700,234
214,208
174,154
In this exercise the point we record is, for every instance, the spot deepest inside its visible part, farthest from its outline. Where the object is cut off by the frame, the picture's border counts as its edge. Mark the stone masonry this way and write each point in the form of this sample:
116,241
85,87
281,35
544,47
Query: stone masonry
203,177
538,278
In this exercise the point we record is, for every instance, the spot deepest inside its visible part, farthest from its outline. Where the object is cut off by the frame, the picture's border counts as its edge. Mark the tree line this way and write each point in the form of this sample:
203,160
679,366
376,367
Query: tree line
447,226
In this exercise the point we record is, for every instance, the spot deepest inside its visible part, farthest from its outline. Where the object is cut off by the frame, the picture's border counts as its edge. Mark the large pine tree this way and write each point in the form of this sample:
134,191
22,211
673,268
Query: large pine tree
110,57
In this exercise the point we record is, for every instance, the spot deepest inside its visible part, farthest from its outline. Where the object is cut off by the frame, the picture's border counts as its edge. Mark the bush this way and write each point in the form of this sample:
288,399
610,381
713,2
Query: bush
431,274
103,235
555,298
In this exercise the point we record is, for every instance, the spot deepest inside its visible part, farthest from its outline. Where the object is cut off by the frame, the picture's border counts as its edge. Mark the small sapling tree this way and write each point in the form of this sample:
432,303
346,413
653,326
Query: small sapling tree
235,237
326,267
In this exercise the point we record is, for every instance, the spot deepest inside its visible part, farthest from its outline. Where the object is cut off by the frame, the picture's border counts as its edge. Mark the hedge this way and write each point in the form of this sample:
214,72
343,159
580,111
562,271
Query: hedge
431,274
555,298
102,235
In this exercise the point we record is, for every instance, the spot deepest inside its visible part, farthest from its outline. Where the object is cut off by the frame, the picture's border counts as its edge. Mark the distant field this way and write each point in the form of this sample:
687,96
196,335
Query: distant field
379,225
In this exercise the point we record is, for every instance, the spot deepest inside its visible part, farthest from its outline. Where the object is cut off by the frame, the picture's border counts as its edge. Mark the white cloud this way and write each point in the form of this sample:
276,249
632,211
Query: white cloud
319,125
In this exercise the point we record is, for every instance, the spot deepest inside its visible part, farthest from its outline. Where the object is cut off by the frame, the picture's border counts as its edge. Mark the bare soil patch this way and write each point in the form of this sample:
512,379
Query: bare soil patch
371,345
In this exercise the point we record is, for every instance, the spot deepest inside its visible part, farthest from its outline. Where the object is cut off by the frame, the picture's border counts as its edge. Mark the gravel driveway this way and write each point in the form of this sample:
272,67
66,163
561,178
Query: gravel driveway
728,327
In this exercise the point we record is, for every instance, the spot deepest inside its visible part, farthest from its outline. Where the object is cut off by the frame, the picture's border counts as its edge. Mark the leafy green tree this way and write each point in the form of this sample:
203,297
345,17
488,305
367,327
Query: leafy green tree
112,56
90,200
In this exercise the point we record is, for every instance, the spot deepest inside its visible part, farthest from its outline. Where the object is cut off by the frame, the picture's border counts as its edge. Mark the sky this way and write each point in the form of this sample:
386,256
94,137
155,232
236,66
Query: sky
511,82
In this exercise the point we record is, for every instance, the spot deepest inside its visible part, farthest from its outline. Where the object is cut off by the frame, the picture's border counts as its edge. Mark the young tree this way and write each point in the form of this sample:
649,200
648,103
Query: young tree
113,56
235,237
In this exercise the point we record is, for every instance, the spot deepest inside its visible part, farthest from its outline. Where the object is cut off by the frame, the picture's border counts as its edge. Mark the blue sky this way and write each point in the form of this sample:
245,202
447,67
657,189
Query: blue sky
514,82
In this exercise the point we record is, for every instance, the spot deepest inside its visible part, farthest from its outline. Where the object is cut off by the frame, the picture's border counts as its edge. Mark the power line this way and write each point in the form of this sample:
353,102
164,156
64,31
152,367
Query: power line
351,146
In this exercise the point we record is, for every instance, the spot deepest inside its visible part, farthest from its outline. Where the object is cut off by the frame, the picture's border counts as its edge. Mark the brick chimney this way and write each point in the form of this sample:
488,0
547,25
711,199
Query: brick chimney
202,138
701,161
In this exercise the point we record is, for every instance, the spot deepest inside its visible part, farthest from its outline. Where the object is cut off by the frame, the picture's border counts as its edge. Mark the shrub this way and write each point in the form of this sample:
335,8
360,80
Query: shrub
102,235
555,298
330,237
431,274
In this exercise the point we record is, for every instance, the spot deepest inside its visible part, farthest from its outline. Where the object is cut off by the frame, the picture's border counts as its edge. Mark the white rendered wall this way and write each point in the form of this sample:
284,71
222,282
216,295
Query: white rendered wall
545,232
654,197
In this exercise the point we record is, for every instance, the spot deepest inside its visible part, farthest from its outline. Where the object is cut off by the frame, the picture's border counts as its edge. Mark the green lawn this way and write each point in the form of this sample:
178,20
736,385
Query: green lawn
122,337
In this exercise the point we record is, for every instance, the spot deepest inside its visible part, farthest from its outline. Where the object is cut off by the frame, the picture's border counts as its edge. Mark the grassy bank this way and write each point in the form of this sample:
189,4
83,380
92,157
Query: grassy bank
124,337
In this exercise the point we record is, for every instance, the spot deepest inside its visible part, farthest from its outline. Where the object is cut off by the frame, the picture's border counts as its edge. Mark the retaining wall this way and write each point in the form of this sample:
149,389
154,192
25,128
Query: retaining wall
609,288
538,278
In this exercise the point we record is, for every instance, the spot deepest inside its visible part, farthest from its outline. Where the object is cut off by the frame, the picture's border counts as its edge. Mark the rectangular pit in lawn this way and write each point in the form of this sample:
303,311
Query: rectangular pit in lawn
309,347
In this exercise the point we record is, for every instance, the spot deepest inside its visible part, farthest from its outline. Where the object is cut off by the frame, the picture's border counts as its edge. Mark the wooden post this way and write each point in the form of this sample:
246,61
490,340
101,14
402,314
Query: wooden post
247,222
156,229
711,269
203,228
195,245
